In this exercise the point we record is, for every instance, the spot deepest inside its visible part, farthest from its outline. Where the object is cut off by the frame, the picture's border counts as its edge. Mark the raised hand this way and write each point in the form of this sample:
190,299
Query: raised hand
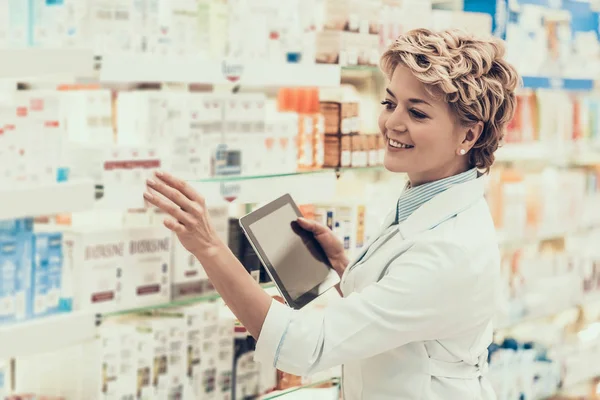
187,210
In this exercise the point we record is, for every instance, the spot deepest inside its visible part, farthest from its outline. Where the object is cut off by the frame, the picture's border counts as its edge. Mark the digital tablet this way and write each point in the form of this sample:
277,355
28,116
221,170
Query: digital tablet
292,256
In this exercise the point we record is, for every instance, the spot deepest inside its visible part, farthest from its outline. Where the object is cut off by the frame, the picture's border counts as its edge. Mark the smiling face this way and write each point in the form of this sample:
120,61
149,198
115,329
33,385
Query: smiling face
424,138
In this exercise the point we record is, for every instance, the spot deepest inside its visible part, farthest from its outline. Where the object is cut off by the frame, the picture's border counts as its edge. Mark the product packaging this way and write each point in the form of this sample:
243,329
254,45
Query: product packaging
95,263
225,354
246,372
147,275
17,263
8,269
188,276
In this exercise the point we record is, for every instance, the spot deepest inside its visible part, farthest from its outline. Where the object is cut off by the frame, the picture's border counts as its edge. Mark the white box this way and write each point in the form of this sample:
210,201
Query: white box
18,11
48,23
184,29
201,330
225,354
95,261
157,329
24,133
479,24
177,348
189,278
207,384
128,361
87,116
194,154
45,112
146,274
110,348
4,25
118,360
147,367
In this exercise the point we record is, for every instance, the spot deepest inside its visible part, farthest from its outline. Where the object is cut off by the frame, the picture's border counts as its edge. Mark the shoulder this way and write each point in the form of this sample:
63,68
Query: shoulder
472,230
464,245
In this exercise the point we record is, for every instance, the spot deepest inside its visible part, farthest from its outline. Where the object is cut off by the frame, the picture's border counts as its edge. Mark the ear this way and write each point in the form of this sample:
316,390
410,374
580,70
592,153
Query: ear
472,135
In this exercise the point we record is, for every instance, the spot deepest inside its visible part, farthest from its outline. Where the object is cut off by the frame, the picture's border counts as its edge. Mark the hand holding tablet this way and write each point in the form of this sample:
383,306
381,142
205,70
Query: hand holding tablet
291,255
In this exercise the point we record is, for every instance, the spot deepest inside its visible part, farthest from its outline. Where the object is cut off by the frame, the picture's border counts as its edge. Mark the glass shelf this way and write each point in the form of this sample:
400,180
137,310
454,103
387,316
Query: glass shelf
281,394
369,68
236,178
176,303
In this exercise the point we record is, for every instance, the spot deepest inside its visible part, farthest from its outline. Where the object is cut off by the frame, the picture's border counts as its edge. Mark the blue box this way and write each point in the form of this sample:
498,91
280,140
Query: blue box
20,230
8,271
55,265
37,301
13,227
23,276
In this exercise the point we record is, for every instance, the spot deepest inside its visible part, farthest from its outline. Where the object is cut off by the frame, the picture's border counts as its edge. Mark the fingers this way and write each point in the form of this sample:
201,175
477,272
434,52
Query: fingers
175,226
170,193
169,207
180,186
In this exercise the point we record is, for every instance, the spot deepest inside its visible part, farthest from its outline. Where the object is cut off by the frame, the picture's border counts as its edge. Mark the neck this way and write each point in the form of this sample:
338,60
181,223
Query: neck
424,177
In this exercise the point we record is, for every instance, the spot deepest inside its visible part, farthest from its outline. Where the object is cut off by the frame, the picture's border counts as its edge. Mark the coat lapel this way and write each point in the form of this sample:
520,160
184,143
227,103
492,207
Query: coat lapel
432,213
388,221
443,207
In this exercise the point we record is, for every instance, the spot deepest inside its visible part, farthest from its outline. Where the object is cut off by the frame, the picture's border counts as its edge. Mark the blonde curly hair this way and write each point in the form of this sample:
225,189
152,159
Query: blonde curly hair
469,73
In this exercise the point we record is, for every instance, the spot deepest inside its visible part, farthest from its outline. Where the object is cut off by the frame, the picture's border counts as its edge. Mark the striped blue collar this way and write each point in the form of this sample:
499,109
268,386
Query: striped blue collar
413,198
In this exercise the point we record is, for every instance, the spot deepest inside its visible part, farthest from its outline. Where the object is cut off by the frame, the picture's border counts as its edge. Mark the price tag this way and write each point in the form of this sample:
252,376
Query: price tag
230,191
232,71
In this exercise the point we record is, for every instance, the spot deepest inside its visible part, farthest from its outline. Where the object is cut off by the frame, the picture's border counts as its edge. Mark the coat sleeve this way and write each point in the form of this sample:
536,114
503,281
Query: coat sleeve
426,295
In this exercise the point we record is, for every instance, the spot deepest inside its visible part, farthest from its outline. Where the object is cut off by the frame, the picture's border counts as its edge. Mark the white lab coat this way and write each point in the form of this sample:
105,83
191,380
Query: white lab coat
416,318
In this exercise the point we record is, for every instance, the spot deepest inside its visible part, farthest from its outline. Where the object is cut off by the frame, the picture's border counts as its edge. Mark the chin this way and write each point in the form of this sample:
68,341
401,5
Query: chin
394,165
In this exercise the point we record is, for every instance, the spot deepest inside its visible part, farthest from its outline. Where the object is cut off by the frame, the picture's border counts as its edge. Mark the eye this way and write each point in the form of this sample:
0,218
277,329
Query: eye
418,114
388,105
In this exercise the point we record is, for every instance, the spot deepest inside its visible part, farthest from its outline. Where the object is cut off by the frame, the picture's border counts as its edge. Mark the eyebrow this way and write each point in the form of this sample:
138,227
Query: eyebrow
411,100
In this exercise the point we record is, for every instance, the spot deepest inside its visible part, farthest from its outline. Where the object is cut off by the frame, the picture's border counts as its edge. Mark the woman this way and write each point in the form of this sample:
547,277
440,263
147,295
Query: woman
415,320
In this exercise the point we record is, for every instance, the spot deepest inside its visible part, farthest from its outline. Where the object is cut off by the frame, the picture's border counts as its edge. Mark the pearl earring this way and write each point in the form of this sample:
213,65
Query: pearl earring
462,152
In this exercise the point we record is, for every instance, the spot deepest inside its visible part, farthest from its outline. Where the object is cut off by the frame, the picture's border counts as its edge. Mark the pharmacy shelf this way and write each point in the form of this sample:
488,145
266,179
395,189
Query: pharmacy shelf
46,334
539,82
513,152
212,296
581,154
582,6
46,199
527,319
236,178
25,64
584,158
332,383
127,68
305,187
506,241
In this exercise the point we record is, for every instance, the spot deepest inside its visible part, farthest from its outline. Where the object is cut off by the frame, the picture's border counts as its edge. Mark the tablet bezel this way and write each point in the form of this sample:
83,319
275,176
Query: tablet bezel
247,220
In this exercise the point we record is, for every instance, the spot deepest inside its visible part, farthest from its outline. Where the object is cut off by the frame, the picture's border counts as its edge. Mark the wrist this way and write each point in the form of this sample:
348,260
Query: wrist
340,264
208,254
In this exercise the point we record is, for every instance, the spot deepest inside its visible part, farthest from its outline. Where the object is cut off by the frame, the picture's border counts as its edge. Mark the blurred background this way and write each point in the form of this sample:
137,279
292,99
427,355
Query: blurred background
248,100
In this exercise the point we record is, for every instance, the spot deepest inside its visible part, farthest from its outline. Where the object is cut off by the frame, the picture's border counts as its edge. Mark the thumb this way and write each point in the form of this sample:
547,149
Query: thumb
311,226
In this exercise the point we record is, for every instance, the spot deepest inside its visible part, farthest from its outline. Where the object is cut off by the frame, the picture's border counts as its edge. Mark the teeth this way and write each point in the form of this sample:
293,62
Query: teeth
399,145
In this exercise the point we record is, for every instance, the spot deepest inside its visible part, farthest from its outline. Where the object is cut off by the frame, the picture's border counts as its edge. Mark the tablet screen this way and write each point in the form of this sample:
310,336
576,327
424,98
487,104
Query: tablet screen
291,251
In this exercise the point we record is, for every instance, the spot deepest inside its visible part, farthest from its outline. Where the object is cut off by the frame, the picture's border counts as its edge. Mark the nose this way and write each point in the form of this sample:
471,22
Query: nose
396,121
